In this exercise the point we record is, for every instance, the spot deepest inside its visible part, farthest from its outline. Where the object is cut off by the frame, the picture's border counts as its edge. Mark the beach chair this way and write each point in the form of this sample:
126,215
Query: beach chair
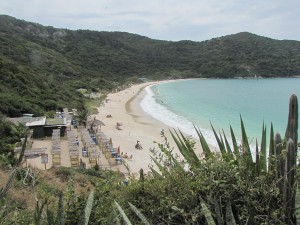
93,157
56,160
119,160
93,161
112,161
74,160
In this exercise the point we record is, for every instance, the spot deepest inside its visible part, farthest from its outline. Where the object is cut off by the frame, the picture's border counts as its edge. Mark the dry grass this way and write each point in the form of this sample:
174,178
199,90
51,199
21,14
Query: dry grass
24,195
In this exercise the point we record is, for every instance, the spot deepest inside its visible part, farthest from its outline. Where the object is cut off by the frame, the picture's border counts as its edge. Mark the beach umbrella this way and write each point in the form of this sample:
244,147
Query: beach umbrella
95,123
118,150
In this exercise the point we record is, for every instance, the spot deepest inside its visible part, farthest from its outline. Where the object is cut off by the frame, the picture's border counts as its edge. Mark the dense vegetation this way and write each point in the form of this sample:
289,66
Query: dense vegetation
40,67
225,187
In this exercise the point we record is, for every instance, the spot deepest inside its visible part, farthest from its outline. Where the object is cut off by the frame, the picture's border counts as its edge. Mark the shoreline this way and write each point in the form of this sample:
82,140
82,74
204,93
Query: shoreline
125,108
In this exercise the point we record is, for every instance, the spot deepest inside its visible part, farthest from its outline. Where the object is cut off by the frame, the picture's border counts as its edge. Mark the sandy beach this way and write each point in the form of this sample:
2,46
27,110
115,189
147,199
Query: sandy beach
124,107
135,125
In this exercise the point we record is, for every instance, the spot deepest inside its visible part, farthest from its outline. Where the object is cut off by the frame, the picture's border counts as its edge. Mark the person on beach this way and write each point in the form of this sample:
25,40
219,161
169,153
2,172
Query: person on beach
138,145
119,126
127,157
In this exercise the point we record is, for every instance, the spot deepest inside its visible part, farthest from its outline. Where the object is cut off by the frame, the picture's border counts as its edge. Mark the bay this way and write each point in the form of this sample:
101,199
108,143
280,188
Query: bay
184,104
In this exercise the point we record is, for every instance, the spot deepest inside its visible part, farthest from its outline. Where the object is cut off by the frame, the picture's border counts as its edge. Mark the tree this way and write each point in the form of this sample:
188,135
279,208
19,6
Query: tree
82,113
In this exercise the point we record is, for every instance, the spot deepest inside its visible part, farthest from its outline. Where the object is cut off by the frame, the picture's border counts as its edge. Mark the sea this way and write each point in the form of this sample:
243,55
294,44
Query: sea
202,103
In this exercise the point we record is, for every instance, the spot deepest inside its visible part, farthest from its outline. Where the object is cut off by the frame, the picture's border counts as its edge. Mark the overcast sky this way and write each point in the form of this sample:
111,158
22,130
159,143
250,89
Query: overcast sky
174,20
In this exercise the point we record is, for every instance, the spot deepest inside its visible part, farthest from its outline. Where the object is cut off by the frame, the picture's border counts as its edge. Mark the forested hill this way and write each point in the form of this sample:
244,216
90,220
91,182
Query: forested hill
41,67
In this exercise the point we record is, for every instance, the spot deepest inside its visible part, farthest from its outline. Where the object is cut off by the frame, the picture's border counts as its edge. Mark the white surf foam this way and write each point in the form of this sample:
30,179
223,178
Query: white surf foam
163,114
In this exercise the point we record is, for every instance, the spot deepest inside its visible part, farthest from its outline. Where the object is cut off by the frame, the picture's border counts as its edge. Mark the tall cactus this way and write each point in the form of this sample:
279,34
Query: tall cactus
292,126
289,182
291,136
280,164
286,171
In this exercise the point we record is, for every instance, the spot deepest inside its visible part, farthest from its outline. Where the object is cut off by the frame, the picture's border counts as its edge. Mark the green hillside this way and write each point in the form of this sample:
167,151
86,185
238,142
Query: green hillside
42,66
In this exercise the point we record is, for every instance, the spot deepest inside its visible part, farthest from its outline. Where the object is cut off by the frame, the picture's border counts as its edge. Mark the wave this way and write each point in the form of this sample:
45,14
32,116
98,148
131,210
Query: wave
163,114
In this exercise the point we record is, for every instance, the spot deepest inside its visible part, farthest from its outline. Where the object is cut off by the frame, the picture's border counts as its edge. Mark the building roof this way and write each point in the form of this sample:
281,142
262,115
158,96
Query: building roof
28,115
40,122
28,120
55,122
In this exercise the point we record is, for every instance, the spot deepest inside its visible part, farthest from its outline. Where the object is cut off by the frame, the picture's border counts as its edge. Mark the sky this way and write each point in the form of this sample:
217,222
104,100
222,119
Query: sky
170,20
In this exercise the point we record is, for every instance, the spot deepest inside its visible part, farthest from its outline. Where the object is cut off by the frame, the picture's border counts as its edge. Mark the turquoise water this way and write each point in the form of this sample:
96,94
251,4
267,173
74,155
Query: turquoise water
181,104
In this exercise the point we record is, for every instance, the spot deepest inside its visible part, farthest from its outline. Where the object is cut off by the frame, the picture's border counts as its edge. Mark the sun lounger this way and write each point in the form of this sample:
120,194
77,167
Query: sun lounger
74,160
119,160
93,160
56,159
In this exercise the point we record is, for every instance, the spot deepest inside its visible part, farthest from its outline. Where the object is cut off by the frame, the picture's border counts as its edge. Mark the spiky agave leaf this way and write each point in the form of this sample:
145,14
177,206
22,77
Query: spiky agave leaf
207,213
271,162
49,215
155,174
257,161
139,214
123,214
235,145
116,220
170,156
229,214
187,152
191,152
207,152
60,211
88,207
263,150
218,211
162,169
39,210
222,141
183,150
228,148
245,146
219,141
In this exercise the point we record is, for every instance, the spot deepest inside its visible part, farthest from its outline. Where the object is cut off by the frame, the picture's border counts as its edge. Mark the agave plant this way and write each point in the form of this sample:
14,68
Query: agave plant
279,162
135,210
